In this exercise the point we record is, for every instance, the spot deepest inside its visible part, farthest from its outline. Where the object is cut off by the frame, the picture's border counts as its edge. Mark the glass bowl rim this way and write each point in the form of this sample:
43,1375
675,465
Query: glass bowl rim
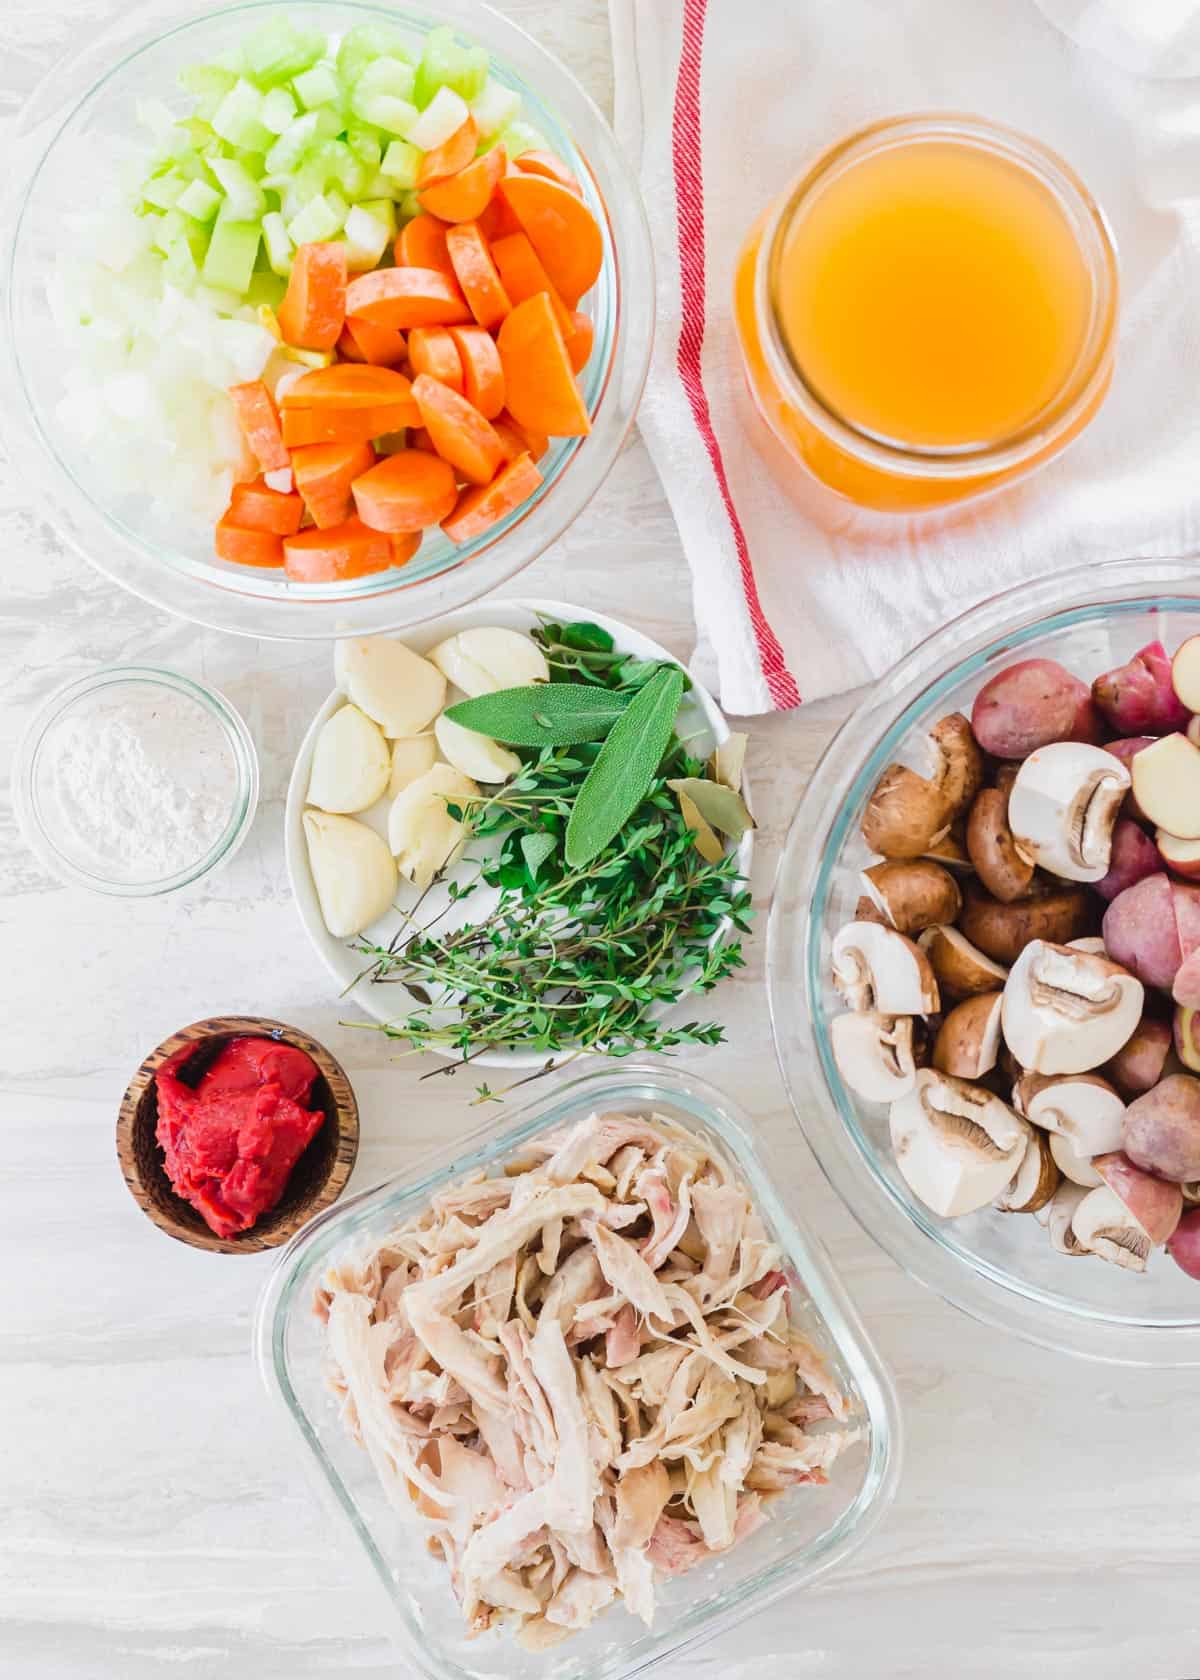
817,833
237,737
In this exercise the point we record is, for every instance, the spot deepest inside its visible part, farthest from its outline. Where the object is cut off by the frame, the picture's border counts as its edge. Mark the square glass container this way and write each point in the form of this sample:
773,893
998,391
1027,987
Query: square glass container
809,1530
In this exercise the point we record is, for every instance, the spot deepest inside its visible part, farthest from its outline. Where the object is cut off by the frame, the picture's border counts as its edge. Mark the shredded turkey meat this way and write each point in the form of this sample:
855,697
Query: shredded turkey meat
583,1376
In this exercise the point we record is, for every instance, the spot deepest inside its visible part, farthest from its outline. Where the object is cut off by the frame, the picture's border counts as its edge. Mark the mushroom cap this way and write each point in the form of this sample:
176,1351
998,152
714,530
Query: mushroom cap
961,764
1063,805
956,1144
905,814
912,894
999,862
1034,1181
1068,1011
968,1041
874,1054
876,968
960,967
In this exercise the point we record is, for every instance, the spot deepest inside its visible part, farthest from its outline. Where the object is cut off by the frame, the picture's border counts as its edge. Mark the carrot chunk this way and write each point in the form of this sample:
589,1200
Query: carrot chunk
256,507
539,386
477,274
421,243
382,346
351,385
324,473
314,305
432,350
419,438
404,545
347,346
259,421
484,506
537,443
460,433
561,229
497,221
345,425
580,340
407,297
483,376
551,166
406,492
247,547
523,276
348,550
451,156
466,195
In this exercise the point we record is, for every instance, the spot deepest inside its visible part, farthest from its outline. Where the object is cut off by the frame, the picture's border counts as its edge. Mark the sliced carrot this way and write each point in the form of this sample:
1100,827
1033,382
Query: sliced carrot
460,433
561,229
451,156
404,545
348,385
540,388
421,243
314,306
324,473
497,221
419,438
407,297
432,350
344,425
479,509
463,197
256,507
551,166
526,437
347,346
382,346
524,276
477,274
348,550
483,376
406,492
257,417
579,342
247,547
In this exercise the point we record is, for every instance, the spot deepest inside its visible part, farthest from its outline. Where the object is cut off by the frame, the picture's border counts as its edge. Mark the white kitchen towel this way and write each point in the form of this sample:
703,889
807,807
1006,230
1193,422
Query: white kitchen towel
718,104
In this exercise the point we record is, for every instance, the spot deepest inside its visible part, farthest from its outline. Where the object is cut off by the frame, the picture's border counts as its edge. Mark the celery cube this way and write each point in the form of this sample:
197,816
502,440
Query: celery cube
363,45
494,109
364,143
391,443
384,110
338,205
318,86
366,239
387,75
400,164
229,260
199,201
278,110
236,119
279,50
521,137
266,290
243,195
287,151
278,242
316,221
209,83
445,64
163,191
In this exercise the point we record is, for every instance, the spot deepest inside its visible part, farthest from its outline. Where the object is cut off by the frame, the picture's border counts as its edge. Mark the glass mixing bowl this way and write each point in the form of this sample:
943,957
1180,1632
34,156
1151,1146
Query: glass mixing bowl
998,1267
86,108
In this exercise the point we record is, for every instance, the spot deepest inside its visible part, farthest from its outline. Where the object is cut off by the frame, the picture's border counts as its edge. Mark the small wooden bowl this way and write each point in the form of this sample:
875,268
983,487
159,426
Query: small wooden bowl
319,1176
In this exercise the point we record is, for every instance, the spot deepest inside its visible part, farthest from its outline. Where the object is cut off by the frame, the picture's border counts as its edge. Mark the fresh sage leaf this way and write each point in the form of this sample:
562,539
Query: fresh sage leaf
542,714
625,767
721,807
586,638
535,849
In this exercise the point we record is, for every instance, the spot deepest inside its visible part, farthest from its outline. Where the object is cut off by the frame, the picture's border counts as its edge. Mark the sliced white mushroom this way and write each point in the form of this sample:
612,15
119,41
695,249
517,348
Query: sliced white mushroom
1068,1011
485,660
874,1054
1057,1215
1092,944
876,968
352,870
1104,1224
350,763
423,835
956,1144
1035,1181
1063,805
412,755
391,683
1072,1163
1084,1109
477,756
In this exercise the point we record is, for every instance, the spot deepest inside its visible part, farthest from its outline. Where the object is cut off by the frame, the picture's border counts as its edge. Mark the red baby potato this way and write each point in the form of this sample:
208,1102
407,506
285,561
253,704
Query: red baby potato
1184,1246
1140,931
1134,856
1138,1064
1027,706
1182,857
1160,1131
1125,751
1138,698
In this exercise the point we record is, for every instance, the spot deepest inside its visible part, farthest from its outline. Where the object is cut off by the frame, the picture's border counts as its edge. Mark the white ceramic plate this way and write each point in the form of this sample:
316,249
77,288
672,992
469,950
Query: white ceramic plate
393,1001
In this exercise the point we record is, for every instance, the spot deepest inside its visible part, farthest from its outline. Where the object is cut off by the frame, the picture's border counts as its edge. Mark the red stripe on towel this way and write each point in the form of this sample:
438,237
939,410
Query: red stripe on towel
689,205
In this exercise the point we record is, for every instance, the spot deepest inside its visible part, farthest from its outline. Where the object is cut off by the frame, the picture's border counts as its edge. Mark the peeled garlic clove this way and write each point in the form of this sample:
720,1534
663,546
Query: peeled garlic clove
486,660
352,870
475,755
424,837
412,755
350,763
391,683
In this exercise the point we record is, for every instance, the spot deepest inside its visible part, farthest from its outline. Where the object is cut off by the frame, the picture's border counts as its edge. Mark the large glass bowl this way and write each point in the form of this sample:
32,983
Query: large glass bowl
809,1531
998,1267
86,109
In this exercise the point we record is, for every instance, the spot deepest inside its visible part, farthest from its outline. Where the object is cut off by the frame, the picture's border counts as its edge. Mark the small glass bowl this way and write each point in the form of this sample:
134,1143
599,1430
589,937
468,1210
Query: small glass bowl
164,554
809,1532
999,1267
47,828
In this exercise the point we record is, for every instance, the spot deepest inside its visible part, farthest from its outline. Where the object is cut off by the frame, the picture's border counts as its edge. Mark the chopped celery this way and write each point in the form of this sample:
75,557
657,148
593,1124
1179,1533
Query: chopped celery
443,116
195,136
362,46
278,110
278,50
366,238
265,290
330,122
199,201
209,83
291,145
391,443
445,64
338,163
164,191
384,110
387,75
495,108
316,221
236,119
229,260
278,242
318,86
364,143
337,205
244,201
179,265
400,164
408,207
521,137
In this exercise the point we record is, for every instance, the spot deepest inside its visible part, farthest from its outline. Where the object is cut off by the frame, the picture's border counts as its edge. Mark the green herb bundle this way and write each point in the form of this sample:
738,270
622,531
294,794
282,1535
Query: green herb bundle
607,909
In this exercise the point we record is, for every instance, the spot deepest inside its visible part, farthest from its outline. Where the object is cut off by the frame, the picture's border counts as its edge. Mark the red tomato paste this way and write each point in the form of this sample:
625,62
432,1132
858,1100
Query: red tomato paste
230,1141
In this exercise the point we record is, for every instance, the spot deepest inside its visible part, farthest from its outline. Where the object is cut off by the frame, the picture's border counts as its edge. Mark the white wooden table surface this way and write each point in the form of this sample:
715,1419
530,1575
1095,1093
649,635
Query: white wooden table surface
152,1518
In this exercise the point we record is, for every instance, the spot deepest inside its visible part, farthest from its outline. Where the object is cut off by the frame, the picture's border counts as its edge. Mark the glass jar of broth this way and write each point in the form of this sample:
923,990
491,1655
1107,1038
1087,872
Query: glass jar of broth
929,312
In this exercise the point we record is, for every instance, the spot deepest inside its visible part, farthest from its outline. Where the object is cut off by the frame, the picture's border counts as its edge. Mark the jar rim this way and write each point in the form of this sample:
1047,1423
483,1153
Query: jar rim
1097,246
